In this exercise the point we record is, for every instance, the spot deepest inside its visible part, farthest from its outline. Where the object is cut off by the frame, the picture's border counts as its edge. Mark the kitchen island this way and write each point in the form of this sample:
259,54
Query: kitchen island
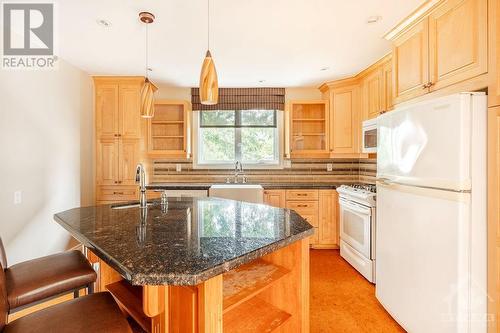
200,264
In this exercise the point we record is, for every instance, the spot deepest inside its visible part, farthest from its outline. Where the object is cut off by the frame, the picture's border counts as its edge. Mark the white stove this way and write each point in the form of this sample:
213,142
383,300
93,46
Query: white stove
357,227
365,194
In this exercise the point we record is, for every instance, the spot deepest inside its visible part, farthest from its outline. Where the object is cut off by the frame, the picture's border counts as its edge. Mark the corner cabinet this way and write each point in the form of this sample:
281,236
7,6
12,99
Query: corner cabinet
169,130
309,131
445,46
118,137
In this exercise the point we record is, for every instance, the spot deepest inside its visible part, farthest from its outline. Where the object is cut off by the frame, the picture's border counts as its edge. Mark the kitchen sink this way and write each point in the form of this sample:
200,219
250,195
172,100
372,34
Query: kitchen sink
242,192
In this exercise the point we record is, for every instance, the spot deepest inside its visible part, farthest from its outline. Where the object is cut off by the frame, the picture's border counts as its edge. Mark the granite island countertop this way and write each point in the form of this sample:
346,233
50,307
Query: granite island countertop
191,241
269,186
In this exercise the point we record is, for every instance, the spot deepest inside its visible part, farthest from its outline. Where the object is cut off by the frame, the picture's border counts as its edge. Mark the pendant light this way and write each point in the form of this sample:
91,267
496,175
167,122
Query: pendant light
148,89
209,86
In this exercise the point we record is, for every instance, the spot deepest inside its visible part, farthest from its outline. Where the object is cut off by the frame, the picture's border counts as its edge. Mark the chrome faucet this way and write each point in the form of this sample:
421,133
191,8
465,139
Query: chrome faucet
140,178
238,168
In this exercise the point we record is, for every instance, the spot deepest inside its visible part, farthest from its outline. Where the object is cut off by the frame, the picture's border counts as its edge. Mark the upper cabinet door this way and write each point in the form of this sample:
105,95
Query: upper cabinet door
130,113
373,93
345,120
106,110
387,87
458,41
494,65
411,63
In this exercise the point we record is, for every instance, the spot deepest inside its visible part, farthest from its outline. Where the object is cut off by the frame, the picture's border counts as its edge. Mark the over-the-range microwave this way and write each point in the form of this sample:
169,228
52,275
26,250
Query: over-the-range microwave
369,136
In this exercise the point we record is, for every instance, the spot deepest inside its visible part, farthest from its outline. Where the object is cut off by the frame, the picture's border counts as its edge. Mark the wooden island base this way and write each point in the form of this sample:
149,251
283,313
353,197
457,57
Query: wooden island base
269,294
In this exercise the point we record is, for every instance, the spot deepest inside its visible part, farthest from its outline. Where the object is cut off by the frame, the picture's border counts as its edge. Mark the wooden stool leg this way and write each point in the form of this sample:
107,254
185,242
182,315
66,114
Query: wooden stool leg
90,288
76,293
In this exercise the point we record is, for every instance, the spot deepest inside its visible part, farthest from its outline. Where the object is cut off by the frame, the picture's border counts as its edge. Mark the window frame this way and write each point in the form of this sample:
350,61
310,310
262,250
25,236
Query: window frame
278,164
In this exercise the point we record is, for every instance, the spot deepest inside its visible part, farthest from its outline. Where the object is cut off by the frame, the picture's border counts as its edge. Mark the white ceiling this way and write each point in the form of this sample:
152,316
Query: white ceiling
284,42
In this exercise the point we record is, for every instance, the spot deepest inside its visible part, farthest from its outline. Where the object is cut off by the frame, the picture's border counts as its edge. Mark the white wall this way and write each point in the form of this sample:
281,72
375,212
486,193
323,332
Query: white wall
47,153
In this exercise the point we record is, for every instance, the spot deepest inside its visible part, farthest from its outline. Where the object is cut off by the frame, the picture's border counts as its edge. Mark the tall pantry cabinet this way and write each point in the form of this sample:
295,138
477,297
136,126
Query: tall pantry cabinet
118,127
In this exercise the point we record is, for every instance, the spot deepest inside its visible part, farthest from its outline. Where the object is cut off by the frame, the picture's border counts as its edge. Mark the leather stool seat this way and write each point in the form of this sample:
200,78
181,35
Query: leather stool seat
35,280
93,313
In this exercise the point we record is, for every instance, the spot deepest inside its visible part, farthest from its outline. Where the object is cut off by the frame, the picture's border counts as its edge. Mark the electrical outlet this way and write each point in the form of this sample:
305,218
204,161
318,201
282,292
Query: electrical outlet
329,167
18,197
178,167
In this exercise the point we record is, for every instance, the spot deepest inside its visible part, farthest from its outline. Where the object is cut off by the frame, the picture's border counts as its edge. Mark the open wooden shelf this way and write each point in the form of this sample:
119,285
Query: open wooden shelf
254,315
129,298
246,281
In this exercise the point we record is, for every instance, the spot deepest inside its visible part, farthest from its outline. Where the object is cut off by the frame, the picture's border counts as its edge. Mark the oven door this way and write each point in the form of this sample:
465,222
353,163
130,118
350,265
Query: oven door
355,226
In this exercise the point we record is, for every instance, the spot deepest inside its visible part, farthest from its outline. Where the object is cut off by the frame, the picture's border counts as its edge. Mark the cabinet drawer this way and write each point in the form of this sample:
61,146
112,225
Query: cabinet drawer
302,195
117,193
304,207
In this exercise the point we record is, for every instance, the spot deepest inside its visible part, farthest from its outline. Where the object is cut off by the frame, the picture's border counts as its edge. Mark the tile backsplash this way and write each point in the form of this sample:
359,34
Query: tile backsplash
301,171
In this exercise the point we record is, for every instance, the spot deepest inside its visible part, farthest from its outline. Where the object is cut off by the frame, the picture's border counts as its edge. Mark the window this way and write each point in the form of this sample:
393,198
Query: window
248,136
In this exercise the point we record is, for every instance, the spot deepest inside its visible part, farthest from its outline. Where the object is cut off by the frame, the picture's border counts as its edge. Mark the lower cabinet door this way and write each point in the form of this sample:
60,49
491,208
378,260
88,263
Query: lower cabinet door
328,233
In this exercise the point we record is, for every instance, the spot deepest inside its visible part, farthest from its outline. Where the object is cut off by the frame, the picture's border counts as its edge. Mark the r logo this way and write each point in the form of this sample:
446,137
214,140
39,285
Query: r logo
28,29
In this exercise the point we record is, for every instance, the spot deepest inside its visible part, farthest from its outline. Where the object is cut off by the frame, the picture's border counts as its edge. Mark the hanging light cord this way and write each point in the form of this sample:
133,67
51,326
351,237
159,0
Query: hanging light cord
147,55
208,25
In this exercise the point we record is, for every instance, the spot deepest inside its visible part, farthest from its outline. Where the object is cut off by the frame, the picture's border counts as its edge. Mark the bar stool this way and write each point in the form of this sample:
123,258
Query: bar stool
35,281
96,313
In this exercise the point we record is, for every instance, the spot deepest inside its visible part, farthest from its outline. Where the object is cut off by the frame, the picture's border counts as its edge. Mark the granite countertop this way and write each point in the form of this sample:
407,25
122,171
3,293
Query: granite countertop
191,241
206,186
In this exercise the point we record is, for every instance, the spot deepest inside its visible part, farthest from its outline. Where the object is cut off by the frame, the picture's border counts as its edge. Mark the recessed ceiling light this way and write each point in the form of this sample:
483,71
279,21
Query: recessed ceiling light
103,23
262,81
324,69
373,19
150,69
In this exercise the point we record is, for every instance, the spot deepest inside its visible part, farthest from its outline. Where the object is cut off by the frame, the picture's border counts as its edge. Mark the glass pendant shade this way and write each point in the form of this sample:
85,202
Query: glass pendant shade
209,86
147,99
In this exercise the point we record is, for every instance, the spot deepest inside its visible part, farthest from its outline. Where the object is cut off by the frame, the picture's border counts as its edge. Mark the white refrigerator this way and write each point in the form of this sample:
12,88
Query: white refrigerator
431,214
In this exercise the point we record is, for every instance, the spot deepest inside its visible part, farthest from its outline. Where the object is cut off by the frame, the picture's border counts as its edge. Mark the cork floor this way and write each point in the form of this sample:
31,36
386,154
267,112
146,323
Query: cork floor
342,300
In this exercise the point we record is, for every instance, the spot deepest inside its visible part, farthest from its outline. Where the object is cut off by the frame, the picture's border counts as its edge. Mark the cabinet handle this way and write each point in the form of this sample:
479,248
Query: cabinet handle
301,194
430,84
117,192
302,205
116,182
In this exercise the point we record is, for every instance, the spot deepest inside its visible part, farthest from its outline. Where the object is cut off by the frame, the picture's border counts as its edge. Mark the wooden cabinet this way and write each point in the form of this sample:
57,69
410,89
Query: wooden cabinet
130,110
444,46
308,128
328,219
345,124
169,129
494,56
275,198
458,45
410,57
372,93
376,88
107,165
118,136
318,207
387,103
106,110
